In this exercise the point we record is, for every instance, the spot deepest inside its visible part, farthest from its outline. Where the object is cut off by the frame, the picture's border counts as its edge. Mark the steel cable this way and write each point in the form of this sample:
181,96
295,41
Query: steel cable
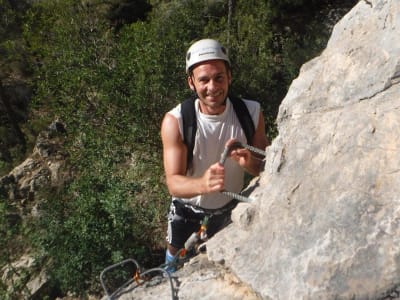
177,259
223,158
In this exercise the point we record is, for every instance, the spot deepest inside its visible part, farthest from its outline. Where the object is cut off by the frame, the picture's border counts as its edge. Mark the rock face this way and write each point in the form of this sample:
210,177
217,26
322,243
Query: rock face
326,220
327,216
198,279
44,168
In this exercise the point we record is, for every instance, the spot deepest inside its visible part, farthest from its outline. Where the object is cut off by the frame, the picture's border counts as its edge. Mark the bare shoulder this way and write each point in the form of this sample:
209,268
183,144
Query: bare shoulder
174,149
170,129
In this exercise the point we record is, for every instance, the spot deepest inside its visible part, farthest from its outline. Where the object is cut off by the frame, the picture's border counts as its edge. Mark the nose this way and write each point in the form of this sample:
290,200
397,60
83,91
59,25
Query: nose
213,85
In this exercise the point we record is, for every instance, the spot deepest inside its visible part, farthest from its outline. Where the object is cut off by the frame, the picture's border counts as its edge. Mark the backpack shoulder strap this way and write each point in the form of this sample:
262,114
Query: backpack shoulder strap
244,117
189,123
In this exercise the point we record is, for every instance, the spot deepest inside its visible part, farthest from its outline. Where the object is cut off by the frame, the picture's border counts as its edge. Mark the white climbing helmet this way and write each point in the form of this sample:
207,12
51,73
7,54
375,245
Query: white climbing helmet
203,50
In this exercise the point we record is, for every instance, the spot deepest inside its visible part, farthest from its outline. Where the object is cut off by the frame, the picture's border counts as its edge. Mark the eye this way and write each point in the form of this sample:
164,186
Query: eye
203,79
219,78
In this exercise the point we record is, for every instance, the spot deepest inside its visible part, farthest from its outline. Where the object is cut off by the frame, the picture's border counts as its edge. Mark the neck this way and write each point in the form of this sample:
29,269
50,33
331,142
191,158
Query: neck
212,110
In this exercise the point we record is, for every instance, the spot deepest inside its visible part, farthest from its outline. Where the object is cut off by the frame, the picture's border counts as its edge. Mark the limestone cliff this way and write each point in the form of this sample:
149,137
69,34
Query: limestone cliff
326,220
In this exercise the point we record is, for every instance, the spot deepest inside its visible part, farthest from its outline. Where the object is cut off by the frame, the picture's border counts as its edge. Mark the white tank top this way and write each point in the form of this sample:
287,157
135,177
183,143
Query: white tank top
213,131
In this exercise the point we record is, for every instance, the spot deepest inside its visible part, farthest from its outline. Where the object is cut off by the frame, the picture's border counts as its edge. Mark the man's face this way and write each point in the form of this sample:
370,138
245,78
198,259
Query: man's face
211,80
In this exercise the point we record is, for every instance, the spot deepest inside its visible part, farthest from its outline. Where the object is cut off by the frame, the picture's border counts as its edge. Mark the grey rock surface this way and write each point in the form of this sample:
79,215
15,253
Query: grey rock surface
198,279
325,223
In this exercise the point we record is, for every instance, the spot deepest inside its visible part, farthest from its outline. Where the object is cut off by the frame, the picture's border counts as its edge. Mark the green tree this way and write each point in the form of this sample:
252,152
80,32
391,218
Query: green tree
13,68
107,96
110,80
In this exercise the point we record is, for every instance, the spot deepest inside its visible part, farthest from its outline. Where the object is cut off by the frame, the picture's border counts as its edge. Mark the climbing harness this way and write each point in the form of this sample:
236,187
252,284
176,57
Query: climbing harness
196,236
188,251
184,254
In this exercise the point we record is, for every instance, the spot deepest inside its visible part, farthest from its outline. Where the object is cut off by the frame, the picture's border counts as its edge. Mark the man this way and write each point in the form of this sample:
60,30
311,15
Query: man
198,186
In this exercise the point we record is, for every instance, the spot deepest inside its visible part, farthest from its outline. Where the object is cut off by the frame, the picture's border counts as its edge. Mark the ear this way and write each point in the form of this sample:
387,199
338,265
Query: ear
229,77
190,83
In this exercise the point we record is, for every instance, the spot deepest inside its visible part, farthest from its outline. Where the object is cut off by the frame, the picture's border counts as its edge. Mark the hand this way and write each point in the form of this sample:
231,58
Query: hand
214,178
236,152
242,156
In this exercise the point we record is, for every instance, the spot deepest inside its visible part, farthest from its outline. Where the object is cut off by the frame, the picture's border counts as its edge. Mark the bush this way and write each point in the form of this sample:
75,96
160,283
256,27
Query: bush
100,226
112,87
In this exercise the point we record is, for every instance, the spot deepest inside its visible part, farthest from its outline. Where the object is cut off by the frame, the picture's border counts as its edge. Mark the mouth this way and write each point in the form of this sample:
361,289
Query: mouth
215,95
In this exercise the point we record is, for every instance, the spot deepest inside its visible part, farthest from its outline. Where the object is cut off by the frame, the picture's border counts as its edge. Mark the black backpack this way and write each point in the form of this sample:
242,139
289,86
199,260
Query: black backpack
190,122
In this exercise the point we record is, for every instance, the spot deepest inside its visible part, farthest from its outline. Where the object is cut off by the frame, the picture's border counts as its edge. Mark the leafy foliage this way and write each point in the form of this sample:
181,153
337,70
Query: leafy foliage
110,78
100,226
8,229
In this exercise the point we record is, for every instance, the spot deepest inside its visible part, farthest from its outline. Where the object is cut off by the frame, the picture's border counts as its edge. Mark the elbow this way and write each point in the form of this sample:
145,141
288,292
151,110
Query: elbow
172,189
173,193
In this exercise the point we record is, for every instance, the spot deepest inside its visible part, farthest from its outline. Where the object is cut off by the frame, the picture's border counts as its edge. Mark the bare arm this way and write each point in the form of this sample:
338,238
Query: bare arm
175,156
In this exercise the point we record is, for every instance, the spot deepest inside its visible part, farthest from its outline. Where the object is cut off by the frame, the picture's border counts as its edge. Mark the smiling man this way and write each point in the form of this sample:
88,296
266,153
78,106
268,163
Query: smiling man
195,184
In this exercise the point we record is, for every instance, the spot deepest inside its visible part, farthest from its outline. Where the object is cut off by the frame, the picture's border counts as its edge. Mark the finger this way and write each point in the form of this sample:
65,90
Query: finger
216,185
